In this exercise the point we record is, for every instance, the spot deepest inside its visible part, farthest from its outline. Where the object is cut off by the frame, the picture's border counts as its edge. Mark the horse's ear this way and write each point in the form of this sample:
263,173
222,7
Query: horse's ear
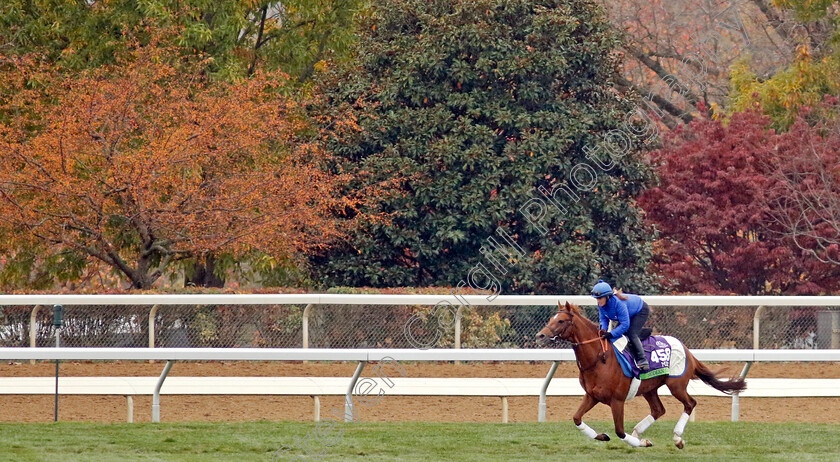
568,306
559,307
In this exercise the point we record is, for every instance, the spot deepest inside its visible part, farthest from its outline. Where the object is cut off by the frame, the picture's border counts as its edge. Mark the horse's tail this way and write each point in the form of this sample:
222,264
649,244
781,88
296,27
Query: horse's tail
702,372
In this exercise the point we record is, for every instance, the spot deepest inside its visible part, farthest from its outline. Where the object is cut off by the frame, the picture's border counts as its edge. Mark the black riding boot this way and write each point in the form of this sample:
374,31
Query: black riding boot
639,353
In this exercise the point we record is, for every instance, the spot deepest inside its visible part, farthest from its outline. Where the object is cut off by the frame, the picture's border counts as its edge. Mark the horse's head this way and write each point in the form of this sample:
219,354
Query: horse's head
561,325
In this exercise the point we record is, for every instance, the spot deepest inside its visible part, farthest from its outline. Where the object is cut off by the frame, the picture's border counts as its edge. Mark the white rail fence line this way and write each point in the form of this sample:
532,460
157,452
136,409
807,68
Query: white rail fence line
312,300
317,387
363,356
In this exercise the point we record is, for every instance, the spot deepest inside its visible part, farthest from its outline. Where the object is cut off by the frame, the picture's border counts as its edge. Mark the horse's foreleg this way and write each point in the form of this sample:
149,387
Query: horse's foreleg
657,410
643,425
618,418
587,404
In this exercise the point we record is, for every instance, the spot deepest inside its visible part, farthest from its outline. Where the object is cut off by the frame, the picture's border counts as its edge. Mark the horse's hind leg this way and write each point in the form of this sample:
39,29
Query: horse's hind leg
678,390
587,404
657,410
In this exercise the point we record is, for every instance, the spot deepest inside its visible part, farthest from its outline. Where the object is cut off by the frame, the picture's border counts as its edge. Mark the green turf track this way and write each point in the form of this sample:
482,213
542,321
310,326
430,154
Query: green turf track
425,442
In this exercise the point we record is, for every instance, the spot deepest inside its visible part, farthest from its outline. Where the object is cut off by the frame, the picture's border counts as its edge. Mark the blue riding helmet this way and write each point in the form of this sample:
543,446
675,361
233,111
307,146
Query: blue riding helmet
601,289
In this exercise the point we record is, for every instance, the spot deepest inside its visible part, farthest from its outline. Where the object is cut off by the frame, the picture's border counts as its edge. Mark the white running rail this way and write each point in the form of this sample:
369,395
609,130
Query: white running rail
456,299
363,356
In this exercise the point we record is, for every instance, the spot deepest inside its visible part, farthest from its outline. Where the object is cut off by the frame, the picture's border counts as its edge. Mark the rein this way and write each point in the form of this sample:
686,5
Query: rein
588,341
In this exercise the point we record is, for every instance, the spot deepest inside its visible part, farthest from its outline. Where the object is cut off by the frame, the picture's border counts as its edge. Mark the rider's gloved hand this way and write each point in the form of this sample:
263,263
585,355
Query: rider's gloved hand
605,335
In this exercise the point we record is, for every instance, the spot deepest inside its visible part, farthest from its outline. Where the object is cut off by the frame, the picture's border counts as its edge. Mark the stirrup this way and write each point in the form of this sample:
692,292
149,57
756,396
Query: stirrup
643,365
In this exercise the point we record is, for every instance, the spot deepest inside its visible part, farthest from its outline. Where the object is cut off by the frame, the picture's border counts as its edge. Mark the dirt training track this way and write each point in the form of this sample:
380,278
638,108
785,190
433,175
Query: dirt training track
22,408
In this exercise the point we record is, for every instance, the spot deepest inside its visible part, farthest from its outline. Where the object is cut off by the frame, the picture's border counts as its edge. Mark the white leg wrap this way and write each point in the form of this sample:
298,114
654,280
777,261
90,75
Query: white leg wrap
680,428
643,425
587,430
632,441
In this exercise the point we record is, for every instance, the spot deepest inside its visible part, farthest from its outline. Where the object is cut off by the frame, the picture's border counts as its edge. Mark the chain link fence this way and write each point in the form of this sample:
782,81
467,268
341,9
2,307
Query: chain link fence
384,326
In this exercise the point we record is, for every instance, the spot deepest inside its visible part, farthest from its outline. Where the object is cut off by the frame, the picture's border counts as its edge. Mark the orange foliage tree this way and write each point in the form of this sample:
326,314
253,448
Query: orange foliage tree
149,161
688,47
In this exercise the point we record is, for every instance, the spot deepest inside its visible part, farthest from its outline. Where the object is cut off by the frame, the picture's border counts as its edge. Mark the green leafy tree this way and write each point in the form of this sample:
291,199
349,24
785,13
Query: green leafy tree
813,72
804,83
467,107
239,35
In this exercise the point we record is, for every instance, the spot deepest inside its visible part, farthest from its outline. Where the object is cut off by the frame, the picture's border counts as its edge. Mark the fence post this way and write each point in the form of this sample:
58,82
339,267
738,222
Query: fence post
156,395
129,408
756,325
317,400
458,330
152,316
33,329
544,390
349,412
305,327
736,398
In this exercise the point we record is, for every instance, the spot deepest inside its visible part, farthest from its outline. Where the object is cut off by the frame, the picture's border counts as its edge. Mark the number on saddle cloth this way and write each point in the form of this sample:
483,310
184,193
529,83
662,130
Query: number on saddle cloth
658,352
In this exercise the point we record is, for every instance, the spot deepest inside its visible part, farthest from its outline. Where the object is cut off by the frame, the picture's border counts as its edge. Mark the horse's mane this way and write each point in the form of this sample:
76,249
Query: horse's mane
576,309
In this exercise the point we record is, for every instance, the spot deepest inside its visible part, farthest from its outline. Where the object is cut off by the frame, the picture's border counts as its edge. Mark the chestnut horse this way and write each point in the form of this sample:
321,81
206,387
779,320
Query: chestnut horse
604,382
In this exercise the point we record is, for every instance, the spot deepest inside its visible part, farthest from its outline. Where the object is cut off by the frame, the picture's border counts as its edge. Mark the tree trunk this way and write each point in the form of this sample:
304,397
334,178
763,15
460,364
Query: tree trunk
203,274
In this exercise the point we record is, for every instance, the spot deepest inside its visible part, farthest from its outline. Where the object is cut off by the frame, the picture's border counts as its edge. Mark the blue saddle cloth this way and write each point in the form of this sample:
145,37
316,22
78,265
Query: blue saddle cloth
657,352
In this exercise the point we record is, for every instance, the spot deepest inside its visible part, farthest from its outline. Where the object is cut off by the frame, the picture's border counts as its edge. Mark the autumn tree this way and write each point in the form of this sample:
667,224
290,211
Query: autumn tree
811,73
802,84
237,37
662,59
743,43
804,174
149,161
713,210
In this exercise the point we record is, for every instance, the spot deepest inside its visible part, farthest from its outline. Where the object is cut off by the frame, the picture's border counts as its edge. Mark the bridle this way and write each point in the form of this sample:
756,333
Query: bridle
555,335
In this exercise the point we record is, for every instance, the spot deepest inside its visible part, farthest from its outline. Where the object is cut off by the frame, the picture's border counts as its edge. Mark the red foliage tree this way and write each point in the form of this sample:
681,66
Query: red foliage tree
713,210
805,181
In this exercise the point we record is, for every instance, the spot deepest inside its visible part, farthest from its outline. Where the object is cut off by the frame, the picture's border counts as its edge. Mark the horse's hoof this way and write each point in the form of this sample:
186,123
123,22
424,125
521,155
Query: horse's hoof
681,444
603,437
647,443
